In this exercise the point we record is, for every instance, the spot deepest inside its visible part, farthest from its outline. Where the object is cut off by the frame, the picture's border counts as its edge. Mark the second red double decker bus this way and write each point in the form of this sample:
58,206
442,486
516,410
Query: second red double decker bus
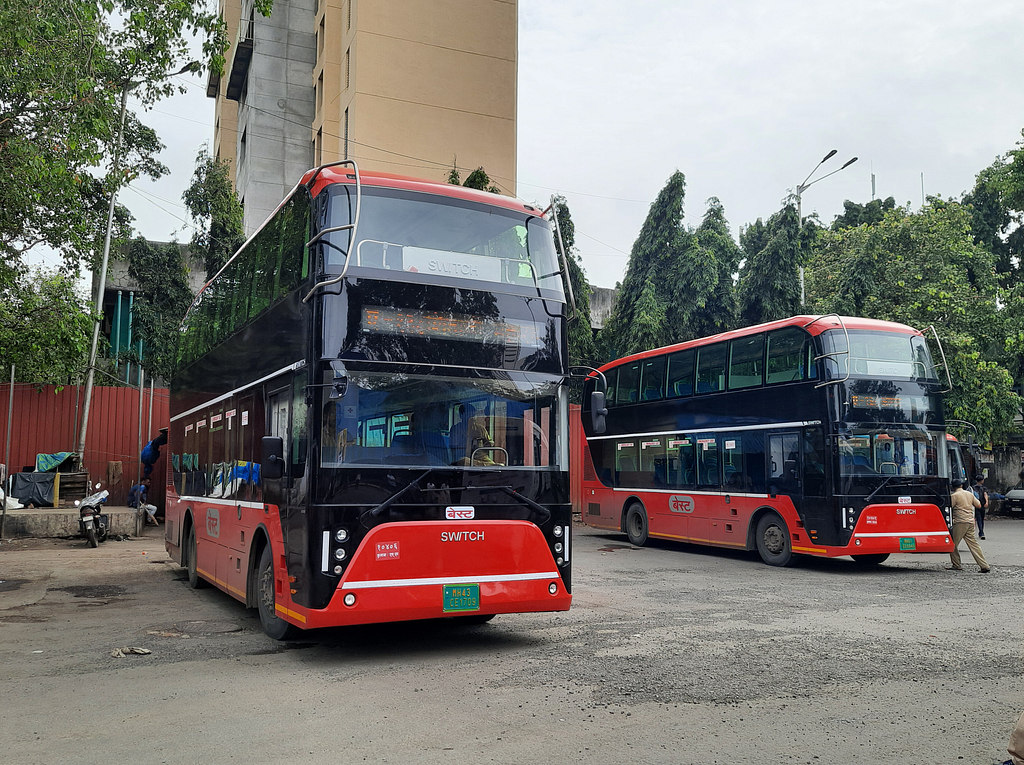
814,435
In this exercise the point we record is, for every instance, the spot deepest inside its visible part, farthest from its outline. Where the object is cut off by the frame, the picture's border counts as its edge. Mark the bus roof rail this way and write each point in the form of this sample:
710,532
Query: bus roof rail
553,209
351,227
945,364
836,353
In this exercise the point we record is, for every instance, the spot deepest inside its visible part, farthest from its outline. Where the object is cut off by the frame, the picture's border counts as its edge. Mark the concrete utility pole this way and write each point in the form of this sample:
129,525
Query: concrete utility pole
800,189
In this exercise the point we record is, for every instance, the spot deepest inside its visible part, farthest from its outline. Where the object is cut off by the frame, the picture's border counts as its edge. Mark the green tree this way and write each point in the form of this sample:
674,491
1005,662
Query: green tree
638,321
701,279
924,269
478,179
217,213
44,327
858,215
160,304
63,70
581,336
769,285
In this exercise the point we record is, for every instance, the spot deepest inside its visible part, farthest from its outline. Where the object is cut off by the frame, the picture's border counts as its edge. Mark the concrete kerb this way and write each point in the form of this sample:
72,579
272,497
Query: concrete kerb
47,522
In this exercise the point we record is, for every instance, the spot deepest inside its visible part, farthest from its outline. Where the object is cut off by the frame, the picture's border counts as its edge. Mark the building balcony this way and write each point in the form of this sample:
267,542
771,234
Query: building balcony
239,69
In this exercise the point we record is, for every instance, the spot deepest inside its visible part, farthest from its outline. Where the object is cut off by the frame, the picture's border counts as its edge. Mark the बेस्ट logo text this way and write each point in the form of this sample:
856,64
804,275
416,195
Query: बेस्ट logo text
680,503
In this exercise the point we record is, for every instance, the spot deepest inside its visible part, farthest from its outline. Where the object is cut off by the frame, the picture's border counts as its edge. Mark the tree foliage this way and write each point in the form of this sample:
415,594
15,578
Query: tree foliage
638,321
160,304
769,284
216,212
860,215
478,179
44,328
581,337
925,269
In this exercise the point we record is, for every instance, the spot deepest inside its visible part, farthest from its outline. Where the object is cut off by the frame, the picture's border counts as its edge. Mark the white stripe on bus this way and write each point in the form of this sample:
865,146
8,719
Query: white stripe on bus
448,580
229,394
225,502
722,429
905,534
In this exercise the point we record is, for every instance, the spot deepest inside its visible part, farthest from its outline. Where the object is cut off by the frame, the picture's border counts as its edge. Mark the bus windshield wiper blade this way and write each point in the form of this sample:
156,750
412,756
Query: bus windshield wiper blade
545,513
379,509
881,486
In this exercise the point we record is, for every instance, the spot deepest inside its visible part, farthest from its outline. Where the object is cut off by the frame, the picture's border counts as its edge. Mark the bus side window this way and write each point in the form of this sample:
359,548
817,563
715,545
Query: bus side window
753,450
629,384
652,463
746,362
626,463
707,463
652,381
789,352
814,462
711,368
612,376
680,374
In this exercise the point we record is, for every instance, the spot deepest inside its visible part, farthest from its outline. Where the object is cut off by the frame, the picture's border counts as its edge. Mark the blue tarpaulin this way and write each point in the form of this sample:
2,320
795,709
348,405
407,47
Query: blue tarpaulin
45,462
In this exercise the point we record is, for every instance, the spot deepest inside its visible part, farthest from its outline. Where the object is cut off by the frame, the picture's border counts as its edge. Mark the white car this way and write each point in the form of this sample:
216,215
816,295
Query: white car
1015,498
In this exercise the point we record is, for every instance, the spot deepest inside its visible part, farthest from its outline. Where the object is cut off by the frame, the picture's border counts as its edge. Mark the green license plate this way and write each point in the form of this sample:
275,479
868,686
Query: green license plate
908,543
462,597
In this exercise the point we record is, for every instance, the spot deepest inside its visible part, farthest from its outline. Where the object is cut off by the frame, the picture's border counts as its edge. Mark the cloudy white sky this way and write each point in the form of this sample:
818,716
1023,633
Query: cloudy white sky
743,96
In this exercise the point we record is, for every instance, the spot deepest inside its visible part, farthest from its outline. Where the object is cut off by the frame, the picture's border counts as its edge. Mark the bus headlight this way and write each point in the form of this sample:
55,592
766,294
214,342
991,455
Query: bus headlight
558,547
553,588
349,599
341,535
338,570
340,553
558,531
559,560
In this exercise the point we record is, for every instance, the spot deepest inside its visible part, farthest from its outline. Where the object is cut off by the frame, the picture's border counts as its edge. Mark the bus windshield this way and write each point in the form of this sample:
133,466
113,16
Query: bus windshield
878,354
884,452
400,419
434,236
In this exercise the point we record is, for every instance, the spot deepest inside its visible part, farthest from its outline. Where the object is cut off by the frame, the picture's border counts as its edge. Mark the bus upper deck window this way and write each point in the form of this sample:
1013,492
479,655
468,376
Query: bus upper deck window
746,362
680,374
711,368
652,380
627,391
788,355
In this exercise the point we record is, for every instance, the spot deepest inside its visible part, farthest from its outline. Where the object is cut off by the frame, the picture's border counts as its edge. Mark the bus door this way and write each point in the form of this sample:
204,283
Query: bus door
279,402
784,465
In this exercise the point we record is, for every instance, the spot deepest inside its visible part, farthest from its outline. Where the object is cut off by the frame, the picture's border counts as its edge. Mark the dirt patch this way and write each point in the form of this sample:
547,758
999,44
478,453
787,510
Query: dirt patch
9,585
93,591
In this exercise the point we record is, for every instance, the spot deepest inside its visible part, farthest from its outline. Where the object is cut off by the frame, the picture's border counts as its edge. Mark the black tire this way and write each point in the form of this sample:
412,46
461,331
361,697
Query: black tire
195,581
274,626
870,560
773,542
636,524
90,534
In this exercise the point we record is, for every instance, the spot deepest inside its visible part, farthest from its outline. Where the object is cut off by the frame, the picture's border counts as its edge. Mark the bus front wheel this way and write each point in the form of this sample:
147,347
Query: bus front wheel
273,625
636,524
773,543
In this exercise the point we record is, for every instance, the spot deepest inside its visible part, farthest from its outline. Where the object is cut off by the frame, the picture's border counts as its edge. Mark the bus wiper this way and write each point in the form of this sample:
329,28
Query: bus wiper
545,513
881,486
379,509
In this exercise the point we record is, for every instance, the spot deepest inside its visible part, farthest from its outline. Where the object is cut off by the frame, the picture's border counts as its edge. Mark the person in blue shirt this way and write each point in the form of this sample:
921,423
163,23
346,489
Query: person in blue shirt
138,497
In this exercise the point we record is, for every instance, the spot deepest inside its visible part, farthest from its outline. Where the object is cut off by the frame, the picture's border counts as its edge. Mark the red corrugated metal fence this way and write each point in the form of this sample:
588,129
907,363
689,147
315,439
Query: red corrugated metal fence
47,420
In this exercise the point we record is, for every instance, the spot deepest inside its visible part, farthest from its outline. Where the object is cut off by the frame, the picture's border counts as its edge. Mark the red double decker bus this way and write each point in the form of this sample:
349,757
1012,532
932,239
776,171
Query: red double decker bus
815,435
369,419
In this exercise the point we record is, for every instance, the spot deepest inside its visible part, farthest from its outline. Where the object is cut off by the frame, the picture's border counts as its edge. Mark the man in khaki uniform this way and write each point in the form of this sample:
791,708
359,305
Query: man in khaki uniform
1016,748
963,504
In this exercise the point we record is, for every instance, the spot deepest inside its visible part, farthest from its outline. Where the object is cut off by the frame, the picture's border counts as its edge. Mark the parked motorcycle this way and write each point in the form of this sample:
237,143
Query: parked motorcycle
92,524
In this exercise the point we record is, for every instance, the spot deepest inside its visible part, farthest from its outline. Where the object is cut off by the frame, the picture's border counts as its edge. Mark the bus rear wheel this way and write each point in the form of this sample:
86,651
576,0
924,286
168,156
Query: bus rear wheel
636,524
773,543
191,561
870,560
273,625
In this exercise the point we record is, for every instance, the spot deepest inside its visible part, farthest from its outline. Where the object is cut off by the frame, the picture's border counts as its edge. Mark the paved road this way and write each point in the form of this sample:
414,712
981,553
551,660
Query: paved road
671,654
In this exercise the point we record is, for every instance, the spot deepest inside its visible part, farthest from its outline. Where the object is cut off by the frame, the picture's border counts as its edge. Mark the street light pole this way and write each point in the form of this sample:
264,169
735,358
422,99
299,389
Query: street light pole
101,287
800,189
192,66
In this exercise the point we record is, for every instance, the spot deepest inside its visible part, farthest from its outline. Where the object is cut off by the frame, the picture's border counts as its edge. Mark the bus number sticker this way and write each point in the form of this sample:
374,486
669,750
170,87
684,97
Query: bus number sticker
624,446
245,418
212,522
650,444
188,429
215,419
387,551
871,519
730,444
680,503
677,444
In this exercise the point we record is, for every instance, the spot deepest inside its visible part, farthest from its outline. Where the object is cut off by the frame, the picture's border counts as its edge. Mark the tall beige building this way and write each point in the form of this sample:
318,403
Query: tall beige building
401,86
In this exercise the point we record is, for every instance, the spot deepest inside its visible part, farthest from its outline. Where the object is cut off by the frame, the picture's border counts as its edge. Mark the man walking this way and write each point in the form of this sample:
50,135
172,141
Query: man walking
981,493
963,503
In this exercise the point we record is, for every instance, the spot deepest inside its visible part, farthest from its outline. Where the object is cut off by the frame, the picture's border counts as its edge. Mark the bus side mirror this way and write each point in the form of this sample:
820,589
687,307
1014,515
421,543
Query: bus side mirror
273,457
598,411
